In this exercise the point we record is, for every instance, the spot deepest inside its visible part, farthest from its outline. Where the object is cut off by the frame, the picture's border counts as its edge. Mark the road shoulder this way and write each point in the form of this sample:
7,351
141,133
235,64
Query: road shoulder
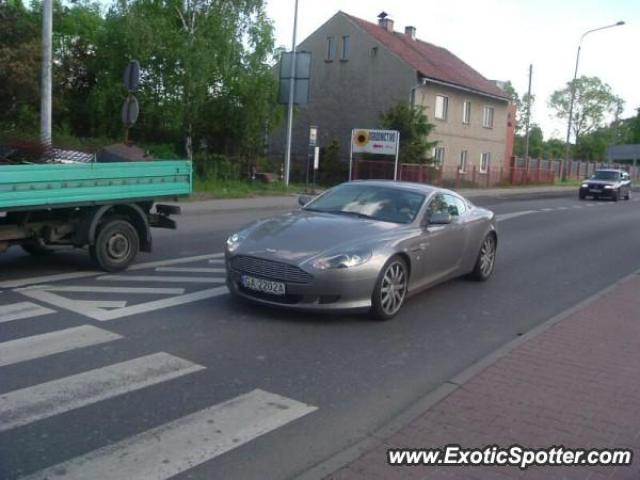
569,381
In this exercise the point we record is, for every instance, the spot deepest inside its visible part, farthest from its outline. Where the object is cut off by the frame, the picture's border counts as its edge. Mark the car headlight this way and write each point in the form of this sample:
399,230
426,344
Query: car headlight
342,260
234,241
608,186
585,185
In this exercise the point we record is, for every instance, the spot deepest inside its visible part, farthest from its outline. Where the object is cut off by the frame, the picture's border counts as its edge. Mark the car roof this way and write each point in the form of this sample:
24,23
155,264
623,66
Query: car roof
617,170
410,186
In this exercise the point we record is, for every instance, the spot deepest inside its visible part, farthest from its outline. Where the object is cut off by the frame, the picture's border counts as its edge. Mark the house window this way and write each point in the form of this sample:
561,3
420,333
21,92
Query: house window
485,160
487,117
346,47
331,49
442,105
462,167
438,156
466,113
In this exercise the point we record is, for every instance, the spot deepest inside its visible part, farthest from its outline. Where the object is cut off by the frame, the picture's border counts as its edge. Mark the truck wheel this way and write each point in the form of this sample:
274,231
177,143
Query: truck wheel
116,245
36,247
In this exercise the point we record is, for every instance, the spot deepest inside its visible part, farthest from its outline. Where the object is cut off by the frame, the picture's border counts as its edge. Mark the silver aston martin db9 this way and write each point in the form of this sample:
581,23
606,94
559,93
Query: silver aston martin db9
364,245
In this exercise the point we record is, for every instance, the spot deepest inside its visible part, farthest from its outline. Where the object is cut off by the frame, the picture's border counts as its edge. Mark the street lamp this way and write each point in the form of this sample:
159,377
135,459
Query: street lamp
292,83
573,87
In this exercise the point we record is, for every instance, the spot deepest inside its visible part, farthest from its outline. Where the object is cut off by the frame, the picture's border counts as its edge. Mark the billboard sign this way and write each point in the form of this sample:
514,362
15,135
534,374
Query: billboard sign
383,142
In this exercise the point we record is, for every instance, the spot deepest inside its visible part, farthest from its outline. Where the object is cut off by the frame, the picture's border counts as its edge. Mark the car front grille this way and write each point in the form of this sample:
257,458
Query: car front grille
270,269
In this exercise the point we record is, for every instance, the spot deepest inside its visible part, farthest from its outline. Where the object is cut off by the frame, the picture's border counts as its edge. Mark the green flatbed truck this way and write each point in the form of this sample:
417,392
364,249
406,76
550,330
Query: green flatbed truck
108,207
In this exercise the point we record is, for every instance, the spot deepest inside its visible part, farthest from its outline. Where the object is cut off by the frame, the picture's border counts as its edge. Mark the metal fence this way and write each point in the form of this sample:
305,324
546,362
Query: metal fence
520,172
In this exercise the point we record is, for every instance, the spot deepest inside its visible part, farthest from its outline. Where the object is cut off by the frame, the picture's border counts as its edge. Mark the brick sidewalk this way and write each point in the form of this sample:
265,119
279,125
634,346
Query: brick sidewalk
575,384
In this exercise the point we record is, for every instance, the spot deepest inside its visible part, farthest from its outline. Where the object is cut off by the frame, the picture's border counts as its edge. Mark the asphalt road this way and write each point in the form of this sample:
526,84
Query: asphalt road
158,368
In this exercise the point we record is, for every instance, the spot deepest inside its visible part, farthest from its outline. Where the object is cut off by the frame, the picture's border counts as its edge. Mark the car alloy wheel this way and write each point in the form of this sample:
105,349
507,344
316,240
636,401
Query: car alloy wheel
391,289
486,260
487,255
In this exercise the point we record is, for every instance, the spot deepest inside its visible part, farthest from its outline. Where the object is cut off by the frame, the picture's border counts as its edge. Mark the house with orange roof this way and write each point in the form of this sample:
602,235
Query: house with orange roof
359,69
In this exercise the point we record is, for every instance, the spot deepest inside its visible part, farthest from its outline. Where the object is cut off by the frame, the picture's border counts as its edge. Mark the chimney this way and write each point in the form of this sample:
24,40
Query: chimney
410,32
385,22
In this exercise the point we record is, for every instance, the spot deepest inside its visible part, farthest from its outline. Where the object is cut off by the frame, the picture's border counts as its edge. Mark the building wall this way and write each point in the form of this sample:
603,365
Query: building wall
345,94
455,136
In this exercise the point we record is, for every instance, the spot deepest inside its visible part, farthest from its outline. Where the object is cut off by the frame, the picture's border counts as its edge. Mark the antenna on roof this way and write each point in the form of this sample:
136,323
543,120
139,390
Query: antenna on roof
382,15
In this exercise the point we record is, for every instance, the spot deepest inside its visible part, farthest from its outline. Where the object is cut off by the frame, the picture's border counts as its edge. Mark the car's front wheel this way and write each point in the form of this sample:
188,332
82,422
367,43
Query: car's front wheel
390,291
486,261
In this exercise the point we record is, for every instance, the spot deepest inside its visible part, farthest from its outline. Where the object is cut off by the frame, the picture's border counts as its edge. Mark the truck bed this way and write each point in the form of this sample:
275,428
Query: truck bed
63,185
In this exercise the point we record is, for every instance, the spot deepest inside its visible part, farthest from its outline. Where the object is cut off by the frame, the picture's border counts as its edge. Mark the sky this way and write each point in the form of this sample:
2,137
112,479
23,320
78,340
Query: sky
501,38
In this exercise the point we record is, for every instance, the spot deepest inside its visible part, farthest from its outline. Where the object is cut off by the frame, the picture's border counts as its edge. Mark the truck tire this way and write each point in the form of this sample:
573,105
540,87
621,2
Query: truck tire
116,245
36,247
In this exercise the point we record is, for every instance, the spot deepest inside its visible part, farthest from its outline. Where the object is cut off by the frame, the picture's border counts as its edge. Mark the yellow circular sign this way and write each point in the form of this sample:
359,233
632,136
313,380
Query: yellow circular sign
361,138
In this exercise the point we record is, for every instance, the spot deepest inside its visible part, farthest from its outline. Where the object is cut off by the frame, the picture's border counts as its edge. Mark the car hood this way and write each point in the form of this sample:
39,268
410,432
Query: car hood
298,236
600,183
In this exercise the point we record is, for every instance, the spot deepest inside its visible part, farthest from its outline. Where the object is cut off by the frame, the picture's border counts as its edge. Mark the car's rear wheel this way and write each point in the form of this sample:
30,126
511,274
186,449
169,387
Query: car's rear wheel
116,245
486,261
390,291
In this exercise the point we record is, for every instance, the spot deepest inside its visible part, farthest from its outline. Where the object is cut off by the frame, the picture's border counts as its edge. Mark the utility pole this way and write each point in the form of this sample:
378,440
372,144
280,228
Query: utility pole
526,134
45,80
292,85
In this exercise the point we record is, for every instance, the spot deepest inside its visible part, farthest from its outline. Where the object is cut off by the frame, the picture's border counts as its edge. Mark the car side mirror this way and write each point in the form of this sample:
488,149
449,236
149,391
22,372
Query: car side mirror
440,219
304,199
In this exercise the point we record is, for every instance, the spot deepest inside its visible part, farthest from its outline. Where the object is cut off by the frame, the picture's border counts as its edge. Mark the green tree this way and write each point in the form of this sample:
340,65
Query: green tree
594,103
414,128
20,55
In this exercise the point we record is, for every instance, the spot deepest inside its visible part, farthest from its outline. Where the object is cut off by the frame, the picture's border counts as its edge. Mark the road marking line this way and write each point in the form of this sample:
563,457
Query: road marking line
104,315
546,209
173,261
160,304
37,346
506,216
190,270
562,208
221,260
101,289
17,311
22,282
168,450
577,206
160,278
27,405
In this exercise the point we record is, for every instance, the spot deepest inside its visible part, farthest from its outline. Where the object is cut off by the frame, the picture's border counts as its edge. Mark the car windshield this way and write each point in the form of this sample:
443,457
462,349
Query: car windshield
605,175
386,204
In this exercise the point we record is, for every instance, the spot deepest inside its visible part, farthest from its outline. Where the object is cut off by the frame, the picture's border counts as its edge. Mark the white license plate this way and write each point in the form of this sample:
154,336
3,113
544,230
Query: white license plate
264,286
595,190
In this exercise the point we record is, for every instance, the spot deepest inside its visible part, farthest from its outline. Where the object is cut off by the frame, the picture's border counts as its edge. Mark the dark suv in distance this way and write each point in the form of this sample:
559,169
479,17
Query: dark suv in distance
611,183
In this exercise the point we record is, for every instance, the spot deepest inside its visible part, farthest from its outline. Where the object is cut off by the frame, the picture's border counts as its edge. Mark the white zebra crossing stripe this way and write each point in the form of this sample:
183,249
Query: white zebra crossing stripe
38,346
190,270
17,311
22,282
170,449
87,309
160,278
101,289
27,405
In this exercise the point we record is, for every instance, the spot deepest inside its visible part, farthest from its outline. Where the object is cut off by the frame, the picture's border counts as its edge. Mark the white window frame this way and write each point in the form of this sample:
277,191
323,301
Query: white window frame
484,167
331,49
488,114
445,107
438,156
466,112
462,165
345,51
